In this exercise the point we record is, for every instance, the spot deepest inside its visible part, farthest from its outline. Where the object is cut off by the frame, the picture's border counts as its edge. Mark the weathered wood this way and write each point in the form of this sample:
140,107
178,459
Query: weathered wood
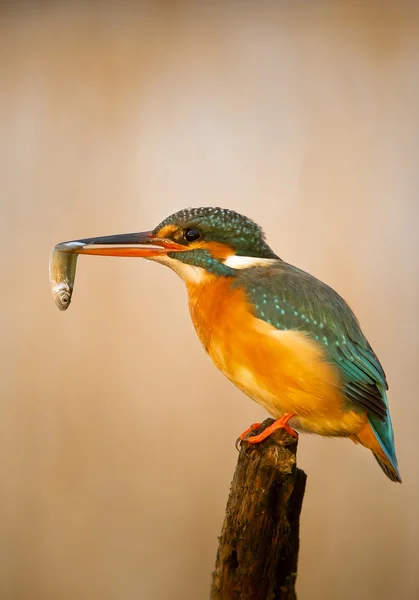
258,547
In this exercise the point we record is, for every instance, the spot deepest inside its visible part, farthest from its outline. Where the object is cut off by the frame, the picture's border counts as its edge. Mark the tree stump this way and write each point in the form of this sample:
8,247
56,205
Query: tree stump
258,547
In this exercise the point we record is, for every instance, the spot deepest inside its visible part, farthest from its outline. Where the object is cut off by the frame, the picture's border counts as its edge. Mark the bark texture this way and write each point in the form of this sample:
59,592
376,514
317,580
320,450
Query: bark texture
258,551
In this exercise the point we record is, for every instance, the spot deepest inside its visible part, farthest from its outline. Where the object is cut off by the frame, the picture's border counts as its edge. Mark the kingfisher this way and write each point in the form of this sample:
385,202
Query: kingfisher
286,339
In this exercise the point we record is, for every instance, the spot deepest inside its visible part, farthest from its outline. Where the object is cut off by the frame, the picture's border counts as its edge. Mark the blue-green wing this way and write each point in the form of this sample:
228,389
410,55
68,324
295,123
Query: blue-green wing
289,298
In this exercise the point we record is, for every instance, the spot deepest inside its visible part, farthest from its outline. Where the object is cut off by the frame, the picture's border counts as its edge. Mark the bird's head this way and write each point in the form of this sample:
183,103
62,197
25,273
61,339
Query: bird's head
192,242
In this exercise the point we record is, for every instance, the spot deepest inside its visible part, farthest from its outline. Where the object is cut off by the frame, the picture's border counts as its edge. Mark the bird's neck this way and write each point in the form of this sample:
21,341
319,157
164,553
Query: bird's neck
200,267
201,263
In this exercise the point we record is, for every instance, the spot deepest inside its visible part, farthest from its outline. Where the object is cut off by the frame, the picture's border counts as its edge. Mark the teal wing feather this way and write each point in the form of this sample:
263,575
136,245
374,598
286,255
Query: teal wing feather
289,298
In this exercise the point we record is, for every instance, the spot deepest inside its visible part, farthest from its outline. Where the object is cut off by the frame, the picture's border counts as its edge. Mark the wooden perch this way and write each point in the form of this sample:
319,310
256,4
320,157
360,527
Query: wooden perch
258,550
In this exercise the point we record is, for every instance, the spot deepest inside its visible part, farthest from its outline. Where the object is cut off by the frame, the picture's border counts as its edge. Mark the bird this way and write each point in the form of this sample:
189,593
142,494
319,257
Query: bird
286,339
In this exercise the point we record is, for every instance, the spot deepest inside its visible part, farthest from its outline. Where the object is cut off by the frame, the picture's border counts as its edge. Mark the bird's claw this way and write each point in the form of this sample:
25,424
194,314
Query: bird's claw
244,434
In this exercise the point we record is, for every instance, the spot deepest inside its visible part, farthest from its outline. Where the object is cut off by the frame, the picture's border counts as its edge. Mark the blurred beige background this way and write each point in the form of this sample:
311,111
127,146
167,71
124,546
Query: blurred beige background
116,431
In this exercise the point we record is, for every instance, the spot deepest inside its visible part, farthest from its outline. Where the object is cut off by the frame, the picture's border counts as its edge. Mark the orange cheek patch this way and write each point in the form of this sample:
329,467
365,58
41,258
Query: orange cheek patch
216,249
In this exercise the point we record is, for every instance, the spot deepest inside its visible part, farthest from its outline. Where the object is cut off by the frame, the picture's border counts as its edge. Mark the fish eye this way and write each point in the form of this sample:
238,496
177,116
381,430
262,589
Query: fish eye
191,235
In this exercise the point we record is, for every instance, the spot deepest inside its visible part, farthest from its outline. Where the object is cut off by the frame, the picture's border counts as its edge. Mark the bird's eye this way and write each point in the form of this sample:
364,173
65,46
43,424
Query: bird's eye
191,235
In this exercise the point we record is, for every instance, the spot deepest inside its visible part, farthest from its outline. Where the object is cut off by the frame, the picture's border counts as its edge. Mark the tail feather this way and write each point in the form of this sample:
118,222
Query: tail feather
386,454
391,472
377,435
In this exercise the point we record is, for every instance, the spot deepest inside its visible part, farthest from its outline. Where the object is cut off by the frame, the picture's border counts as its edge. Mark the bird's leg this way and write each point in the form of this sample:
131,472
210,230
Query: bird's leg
281,423
243,435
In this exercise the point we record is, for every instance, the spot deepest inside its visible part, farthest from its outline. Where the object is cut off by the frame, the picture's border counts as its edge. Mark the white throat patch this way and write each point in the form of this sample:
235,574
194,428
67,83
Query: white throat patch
244,262
189,273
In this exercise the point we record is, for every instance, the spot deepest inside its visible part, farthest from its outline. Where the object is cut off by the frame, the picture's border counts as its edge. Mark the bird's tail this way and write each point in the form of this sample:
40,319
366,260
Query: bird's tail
383,432
377,436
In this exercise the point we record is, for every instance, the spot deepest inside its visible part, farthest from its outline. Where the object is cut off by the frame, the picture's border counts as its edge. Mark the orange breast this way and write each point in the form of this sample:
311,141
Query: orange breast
284,371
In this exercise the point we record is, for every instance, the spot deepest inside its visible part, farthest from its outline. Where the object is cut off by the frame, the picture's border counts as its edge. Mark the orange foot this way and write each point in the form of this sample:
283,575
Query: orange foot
243,435
281,423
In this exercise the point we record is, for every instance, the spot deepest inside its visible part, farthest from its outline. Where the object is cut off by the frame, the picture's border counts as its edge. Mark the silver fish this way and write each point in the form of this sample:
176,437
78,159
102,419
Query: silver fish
62,271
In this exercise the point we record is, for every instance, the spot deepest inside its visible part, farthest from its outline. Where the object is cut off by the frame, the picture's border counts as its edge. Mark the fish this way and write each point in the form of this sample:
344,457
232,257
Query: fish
62,272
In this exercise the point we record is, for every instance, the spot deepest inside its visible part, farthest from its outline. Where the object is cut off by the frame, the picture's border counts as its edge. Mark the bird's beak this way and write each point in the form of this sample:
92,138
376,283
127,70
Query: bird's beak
145,245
